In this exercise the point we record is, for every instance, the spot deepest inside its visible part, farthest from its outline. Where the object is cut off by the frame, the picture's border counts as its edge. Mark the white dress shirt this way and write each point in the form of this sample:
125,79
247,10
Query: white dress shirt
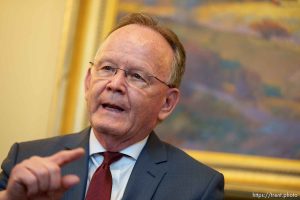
120,169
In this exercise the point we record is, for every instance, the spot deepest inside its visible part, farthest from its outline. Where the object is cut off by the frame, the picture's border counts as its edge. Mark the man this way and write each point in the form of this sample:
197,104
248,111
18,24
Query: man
131,86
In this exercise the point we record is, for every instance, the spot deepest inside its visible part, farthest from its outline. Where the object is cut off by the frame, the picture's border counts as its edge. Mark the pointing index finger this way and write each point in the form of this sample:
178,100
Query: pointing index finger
66,156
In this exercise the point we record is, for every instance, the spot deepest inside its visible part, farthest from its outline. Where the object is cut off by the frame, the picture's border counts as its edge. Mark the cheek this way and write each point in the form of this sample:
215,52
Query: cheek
94,92
146,106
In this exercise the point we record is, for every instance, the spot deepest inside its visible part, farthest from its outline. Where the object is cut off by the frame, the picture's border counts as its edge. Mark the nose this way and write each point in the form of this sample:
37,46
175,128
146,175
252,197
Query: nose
117,83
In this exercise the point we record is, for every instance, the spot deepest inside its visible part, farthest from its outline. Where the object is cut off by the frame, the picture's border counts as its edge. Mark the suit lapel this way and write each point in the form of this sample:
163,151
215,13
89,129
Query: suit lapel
78,167
149,170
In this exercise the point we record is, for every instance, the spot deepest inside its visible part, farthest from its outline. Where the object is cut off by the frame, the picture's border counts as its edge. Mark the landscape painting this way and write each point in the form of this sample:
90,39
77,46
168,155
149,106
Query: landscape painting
241,90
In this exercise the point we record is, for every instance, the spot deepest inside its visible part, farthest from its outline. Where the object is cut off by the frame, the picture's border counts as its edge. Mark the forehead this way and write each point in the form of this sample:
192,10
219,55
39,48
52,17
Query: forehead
138,43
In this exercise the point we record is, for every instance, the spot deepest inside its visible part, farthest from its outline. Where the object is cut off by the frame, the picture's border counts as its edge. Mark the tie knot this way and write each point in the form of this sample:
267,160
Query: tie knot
110,157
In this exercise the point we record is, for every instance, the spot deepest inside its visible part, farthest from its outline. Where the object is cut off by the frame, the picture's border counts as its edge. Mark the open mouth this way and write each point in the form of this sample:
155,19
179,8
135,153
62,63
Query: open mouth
112,107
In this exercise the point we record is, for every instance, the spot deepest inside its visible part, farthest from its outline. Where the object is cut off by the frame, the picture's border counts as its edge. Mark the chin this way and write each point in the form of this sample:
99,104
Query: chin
106,129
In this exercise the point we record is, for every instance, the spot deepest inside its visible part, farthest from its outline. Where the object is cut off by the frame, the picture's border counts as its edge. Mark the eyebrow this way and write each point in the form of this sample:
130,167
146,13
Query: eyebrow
105,59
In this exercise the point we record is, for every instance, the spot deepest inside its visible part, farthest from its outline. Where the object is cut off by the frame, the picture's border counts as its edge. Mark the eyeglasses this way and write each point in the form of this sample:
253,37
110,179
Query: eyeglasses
133,77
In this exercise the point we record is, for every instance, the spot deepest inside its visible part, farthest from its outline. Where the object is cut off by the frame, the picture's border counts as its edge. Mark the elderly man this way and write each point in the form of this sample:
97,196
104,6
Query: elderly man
130,87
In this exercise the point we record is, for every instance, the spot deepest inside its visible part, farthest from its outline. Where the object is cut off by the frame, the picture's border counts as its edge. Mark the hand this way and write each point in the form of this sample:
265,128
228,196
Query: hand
39,178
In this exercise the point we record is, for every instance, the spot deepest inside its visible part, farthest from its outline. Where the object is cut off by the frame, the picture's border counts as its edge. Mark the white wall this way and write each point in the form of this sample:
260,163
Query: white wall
30,36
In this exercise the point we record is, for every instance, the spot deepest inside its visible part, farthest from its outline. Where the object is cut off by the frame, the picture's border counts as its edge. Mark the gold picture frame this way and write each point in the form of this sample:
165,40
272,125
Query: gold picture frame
247,176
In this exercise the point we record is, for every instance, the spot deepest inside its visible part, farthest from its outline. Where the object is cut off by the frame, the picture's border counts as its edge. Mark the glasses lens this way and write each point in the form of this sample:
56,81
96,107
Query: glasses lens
105,71
138,78
135,78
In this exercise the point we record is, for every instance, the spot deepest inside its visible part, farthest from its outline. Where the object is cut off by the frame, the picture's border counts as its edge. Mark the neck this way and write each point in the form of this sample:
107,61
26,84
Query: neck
116,143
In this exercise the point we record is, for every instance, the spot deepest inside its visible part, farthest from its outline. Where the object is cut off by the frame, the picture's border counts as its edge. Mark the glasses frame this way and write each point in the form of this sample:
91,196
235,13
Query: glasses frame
149,75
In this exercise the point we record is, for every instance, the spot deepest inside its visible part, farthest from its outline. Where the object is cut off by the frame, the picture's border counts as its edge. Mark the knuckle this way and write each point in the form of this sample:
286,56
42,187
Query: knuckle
19,168
42,172
31,180
55,169
35,158
24,162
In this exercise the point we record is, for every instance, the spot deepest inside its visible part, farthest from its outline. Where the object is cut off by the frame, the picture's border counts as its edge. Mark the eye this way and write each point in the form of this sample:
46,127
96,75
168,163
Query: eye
137,76
107,68
105,71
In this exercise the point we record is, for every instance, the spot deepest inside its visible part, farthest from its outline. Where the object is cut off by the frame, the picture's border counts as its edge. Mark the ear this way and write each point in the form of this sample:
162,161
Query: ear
87,82
172,98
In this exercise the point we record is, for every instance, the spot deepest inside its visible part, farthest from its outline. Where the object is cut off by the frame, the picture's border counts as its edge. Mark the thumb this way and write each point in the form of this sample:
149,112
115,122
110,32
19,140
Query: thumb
69,181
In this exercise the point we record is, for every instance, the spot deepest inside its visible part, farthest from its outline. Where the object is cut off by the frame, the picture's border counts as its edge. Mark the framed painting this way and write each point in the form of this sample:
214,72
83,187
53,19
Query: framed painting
240,105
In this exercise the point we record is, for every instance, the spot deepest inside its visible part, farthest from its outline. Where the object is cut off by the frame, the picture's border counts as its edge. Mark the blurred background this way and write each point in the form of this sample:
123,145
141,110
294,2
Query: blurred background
240,105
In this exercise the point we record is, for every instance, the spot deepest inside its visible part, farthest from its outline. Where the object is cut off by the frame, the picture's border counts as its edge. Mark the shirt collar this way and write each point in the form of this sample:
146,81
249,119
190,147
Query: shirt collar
133,150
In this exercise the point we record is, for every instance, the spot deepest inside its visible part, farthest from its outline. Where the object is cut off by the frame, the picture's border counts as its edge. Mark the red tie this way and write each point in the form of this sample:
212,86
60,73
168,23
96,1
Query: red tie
101,183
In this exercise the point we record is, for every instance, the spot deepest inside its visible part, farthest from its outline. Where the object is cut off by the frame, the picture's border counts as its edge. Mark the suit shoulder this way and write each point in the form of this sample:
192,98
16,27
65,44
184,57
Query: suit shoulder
48,146
195,179
51,140
187,163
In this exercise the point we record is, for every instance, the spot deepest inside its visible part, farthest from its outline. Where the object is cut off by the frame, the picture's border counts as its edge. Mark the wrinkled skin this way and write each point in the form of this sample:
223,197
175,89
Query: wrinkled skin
39,178
138,47
119,113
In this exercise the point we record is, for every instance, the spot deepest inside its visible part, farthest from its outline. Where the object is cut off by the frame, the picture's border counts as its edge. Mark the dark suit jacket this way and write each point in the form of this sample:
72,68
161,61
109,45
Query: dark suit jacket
162,172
